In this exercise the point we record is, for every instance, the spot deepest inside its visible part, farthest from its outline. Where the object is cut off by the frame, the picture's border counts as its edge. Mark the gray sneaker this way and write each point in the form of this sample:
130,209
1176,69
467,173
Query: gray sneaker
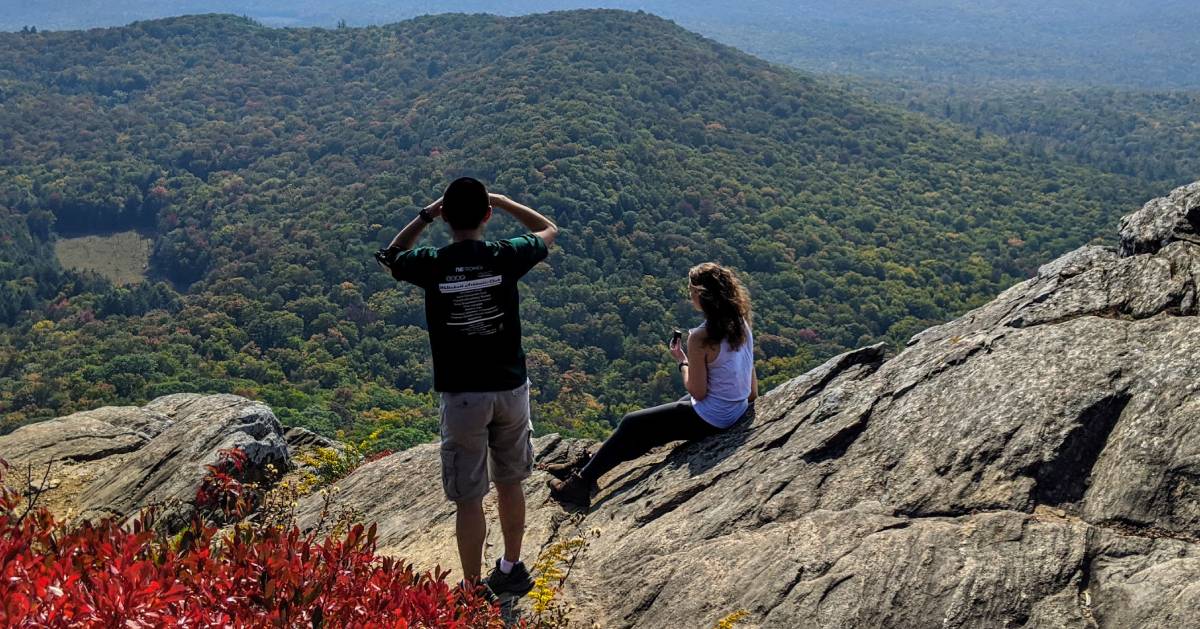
517,583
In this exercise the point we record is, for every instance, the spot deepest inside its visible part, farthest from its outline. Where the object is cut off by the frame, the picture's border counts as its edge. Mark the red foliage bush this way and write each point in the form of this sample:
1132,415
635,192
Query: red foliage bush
222,495
103,575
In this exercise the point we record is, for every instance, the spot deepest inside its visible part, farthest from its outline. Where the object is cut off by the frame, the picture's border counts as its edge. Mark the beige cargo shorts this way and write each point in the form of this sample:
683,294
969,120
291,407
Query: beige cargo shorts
485,434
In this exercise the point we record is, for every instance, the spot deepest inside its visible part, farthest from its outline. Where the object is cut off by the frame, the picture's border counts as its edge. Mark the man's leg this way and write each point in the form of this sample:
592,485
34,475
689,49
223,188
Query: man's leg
510,440
511,504
464,421
470,528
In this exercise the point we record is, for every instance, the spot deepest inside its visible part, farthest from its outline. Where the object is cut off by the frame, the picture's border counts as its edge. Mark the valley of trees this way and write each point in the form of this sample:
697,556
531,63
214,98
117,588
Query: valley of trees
1153,136
271,163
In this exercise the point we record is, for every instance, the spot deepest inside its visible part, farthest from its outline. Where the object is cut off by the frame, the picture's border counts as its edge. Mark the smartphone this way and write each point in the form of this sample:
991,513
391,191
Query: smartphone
676,337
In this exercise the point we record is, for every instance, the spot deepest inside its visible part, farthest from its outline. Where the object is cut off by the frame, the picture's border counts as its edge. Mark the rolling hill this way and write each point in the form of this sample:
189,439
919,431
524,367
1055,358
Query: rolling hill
1144,45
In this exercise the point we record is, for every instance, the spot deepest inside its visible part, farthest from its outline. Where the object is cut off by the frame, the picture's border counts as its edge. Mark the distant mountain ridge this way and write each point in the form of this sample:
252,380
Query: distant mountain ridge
1145,45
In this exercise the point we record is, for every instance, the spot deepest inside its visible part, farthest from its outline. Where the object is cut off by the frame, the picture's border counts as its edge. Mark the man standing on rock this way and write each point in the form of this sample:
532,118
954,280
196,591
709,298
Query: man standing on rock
471,310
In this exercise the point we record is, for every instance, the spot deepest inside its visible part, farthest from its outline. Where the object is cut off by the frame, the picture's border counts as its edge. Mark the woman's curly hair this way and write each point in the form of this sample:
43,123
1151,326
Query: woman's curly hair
725,302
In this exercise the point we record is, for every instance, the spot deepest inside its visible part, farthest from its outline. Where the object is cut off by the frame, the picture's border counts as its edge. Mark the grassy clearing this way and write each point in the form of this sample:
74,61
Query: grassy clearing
122,257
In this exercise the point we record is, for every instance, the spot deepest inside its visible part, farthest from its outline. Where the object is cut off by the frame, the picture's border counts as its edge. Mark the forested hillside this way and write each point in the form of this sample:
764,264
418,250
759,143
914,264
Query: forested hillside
269,164
1153,136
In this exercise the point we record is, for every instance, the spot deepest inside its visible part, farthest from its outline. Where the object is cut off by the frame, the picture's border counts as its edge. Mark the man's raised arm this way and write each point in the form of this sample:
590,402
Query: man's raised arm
527,216
407,238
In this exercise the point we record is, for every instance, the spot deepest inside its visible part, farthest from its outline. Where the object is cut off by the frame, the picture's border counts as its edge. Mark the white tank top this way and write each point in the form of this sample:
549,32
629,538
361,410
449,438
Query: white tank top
729,381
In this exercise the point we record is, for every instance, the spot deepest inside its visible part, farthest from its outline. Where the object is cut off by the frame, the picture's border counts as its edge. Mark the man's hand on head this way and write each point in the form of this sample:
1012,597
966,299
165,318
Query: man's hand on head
530,218
498,200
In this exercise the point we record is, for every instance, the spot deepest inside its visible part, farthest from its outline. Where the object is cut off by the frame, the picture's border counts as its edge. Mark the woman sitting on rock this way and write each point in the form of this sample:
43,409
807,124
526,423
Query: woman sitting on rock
718,371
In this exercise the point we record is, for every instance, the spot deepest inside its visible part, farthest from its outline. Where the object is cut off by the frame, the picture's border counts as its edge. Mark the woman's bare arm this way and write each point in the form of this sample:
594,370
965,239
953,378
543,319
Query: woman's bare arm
695,375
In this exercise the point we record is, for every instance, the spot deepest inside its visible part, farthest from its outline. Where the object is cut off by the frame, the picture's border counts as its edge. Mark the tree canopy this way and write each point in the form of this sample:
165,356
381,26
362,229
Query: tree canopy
269,164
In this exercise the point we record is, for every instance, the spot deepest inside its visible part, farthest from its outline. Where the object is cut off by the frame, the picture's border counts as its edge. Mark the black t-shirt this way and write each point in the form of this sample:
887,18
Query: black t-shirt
472,309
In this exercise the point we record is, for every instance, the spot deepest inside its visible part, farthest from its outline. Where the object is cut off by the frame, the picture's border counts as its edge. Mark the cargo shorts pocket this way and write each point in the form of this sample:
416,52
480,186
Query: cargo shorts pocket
449,476
527,468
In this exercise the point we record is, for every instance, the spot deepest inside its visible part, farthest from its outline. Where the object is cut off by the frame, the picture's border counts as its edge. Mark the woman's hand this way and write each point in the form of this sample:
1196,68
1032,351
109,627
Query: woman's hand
677,351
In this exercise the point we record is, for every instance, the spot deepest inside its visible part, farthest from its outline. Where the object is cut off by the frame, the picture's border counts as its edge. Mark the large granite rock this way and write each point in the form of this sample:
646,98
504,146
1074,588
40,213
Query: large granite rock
66,455
1163,220
167,470
117,460
82,437
1035,462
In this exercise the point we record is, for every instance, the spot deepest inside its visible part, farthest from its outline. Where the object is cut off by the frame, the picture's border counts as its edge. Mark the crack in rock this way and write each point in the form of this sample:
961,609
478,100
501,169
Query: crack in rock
1064,479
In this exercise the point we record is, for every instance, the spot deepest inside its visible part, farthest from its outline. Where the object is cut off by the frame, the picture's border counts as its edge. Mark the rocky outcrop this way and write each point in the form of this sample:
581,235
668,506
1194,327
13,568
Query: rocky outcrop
1162,221
299,438
304,446
169,468
66,454
1035,462
116,461
82,437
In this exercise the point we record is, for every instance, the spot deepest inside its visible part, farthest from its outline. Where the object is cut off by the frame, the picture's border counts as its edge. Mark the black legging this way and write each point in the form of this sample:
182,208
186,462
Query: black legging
643,430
